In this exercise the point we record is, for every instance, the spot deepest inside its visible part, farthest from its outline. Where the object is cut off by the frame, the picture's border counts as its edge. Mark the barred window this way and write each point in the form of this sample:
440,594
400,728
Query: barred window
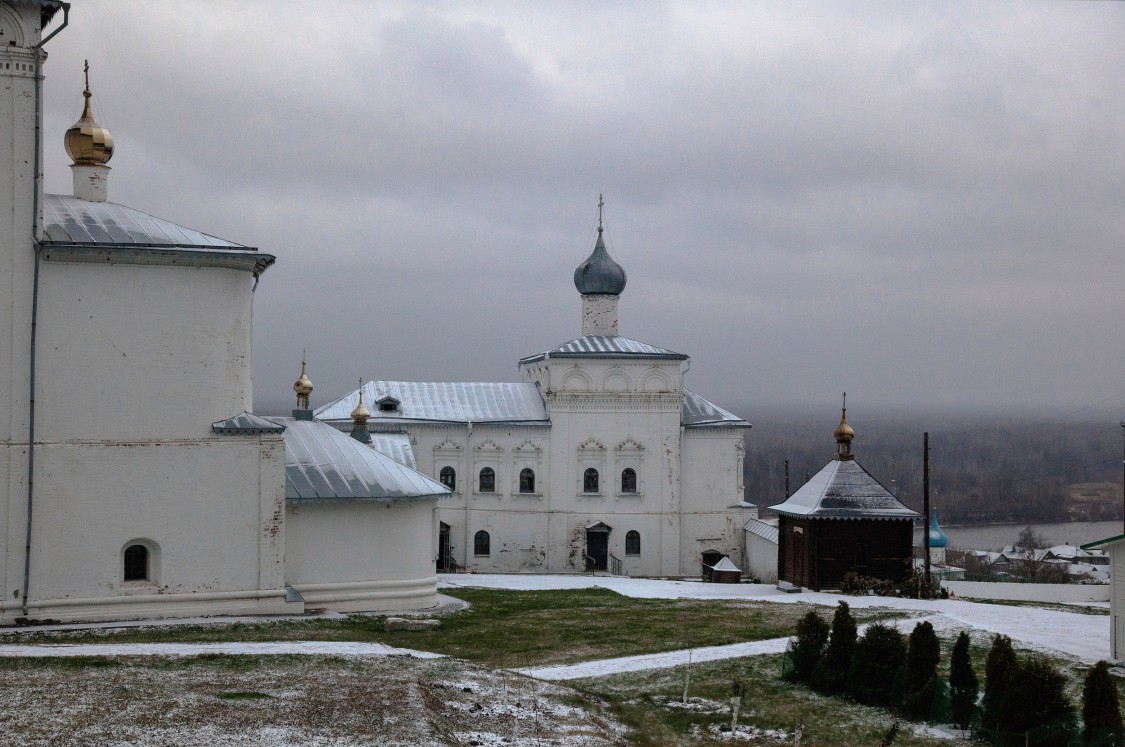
590,481
629,480
448,477
488,480
527,480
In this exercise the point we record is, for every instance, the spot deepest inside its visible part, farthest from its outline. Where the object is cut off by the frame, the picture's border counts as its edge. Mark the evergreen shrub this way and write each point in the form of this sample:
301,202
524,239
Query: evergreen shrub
963,683
831,672
1101,713
806,650
920,676
876,660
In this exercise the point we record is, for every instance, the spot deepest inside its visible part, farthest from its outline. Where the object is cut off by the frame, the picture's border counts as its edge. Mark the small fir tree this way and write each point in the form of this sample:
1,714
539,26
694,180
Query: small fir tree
920,676
1100,711
812,636
999,671
963,685
1035,704
832,671
877,657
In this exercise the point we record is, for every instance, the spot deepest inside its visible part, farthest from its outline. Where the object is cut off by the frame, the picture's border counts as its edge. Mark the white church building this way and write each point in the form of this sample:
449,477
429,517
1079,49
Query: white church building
599,459
134,482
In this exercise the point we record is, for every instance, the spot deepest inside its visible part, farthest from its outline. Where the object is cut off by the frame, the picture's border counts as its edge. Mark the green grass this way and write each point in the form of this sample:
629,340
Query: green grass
517,628
243,695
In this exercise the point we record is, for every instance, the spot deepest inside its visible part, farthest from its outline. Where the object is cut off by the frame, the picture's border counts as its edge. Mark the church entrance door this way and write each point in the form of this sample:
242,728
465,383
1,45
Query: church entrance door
597,548
444,557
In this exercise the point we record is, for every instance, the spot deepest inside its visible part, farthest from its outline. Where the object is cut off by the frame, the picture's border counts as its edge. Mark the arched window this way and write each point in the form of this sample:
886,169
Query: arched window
488,480
448,477
136,563
482,543
628,480
527,480
632,542
590,481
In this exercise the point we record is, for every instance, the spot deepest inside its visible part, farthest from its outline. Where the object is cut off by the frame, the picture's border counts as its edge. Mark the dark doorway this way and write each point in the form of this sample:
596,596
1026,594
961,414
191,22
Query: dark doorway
444,557
710,557
597,549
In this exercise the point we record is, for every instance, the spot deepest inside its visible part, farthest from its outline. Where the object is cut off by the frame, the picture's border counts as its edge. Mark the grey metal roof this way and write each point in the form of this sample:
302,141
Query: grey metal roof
70,220
844,490
699,413
246,423
445,401
80,231
598,273
321,463
396,446
603,346
761,529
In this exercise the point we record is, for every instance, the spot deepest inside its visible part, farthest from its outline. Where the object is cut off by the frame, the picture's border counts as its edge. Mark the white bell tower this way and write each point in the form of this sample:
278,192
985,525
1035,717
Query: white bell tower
20,194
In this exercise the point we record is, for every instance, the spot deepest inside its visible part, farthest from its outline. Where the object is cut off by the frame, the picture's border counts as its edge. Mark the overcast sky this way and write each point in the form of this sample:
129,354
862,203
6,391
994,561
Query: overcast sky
921,204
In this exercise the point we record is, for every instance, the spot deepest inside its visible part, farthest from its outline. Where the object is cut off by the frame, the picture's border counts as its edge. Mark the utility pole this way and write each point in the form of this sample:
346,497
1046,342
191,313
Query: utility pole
787,476
1123,459
926,504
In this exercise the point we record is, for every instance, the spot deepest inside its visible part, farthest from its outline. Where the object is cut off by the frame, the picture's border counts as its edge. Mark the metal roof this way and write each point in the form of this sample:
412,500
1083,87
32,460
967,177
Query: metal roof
844,490
445,402
321,463
81,231
396,446
761,529
606,346
246,423
699,413
69,220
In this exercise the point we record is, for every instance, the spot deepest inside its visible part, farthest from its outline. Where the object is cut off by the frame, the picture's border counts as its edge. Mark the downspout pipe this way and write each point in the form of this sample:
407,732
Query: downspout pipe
35,297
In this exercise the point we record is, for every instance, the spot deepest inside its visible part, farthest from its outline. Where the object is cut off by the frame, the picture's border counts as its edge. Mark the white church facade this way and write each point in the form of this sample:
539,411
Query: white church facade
599,459
134,482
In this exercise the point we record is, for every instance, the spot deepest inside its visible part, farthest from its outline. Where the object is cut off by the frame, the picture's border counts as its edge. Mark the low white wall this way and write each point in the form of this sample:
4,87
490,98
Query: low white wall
1064,593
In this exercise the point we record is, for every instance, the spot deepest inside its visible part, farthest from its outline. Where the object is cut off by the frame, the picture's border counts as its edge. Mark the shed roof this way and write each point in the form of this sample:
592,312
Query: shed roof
843,489
321,463
246,423
606,346
699,413
761,529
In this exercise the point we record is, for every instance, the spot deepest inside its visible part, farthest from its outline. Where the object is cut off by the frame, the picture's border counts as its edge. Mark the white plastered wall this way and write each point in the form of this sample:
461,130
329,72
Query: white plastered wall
362,555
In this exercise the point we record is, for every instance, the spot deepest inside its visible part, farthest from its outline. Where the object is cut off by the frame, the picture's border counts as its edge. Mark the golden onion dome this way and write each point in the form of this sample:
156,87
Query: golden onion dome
360,414
87,142
844,432
303,386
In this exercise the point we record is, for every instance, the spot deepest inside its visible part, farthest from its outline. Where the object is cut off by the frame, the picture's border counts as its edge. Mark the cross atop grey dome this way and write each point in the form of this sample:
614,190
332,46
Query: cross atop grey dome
599,274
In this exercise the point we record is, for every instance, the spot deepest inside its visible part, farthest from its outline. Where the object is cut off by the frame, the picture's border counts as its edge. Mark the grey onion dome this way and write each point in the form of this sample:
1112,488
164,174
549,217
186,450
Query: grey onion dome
599,273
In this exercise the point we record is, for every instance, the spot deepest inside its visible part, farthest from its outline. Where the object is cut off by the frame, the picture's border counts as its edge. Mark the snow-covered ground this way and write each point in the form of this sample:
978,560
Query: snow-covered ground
303,648
1083,636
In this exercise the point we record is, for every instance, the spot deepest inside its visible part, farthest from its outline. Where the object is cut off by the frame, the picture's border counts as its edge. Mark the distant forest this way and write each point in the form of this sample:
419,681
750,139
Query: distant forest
983,468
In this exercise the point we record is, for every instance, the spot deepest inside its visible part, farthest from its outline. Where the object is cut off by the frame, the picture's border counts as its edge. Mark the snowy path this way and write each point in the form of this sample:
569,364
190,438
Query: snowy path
303,648
1083,636
669,659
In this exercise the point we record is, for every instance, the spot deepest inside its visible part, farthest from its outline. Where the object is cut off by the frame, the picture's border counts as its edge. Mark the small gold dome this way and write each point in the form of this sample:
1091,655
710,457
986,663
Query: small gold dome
360,414
87,142
303,386
844,432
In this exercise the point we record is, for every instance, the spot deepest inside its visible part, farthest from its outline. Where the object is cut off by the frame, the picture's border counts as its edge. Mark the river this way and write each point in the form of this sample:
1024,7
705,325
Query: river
997,536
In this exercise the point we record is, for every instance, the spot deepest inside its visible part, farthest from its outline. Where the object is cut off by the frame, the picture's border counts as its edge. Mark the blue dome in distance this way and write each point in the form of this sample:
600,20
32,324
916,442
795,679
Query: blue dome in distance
938,538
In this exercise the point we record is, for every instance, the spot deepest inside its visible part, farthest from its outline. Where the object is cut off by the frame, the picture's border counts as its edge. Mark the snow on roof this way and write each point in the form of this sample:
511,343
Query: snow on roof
843,489
725,565
444,402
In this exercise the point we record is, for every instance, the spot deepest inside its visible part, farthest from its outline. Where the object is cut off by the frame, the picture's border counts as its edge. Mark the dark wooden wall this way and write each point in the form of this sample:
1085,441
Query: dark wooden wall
817,553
